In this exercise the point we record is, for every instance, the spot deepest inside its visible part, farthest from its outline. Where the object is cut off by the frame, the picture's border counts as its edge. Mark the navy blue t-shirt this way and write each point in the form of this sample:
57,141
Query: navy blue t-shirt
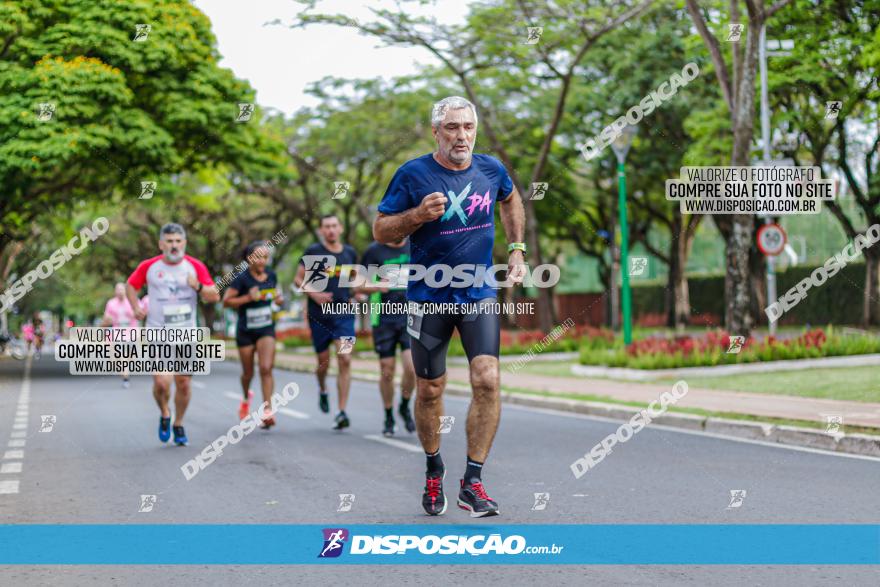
466,231
256,314
316,260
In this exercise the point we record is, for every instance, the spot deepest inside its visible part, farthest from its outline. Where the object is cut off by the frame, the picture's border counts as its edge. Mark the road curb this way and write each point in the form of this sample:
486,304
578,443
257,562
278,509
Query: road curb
630,374
858,444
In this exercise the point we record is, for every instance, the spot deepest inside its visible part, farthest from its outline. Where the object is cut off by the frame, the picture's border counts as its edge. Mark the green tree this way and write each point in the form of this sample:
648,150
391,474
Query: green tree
122,108
836,57
736,82
489,52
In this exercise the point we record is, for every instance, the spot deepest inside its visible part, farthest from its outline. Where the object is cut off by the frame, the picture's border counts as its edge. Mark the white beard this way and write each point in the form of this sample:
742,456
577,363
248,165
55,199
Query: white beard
173,259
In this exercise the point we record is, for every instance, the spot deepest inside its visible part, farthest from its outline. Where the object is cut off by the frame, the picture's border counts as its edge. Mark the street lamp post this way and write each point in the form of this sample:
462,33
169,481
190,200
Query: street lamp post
621,147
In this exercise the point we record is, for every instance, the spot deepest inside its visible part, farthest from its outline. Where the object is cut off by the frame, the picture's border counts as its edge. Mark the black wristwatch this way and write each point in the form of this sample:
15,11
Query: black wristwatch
201,285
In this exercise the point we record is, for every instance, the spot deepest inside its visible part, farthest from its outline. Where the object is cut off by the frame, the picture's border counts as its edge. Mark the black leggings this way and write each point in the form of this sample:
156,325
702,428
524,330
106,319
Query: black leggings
479,328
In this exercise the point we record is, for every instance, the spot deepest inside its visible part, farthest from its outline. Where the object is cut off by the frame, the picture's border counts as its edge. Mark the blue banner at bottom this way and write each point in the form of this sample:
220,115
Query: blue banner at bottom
694,544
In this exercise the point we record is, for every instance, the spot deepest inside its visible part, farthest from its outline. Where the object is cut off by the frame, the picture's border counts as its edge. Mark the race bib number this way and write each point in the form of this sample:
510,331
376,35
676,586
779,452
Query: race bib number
258,317
414,321
177,314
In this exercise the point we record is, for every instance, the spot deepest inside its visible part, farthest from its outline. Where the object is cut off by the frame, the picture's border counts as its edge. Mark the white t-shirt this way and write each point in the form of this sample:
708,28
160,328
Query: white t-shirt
173,303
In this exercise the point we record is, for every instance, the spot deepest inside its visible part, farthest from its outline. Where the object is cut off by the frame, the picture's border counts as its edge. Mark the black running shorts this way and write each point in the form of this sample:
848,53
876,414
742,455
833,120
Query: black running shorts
387,337
246,337
478,324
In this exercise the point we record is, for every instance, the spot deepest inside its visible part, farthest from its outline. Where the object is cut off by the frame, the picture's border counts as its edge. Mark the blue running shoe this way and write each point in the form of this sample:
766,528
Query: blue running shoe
164,429
180,438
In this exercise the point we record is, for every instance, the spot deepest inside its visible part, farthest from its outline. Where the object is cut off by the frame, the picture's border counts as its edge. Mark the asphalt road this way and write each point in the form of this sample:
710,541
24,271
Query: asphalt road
102,454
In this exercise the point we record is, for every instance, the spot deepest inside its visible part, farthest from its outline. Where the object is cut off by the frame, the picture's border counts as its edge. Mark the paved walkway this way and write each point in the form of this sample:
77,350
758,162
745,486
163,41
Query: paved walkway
755,404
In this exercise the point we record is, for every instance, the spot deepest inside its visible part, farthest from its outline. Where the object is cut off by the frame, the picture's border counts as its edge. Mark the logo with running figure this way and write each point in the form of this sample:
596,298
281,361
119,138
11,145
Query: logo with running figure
446,424
318,270
346,501
477,203
147,503
541,501
346,345
737,497
47,423
334,539
45,111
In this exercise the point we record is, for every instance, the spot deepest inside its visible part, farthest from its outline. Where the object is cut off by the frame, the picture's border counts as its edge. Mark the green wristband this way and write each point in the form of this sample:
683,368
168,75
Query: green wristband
516,247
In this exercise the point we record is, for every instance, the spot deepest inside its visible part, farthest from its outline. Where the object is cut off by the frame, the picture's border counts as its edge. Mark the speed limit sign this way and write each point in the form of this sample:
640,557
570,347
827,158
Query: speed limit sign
771,239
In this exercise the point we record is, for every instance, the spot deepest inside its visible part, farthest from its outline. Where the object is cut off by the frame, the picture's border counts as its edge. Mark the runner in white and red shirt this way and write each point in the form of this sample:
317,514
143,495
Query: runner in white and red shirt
118,314
174,283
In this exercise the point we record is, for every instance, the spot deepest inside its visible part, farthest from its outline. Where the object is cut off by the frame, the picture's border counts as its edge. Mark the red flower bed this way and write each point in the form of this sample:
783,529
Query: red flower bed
529,337
714,341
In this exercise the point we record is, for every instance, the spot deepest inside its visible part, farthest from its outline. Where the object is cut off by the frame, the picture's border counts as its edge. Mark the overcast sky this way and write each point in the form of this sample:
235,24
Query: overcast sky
280,62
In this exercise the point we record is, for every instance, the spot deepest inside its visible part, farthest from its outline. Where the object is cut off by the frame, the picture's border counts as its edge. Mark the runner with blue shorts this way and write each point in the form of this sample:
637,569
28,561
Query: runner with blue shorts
318,277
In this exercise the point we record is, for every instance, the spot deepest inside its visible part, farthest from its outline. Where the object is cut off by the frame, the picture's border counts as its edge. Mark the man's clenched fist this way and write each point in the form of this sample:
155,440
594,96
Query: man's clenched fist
432,207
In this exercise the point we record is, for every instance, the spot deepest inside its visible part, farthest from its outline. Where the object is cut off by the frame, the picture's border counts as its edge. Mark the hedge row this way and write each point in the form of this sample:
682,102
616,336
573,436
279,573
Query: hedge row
837,301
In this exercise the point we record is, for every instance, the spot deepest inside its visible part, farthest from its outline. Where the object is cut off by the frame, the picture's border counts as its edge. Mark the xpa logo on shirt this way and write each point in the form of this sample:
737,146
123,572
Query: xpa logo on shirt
477,202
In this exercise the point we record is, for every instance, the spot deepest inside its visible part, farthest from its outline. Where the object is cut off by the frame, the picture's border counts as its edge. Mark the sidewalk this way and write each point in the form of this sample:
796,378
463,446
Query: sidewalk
754,404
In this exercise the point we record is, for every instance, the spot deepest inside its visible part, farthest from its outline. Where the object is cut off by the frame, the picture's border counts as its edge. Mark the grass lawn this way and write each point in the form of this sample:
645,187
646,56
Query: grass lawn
860,384
850,383
552,368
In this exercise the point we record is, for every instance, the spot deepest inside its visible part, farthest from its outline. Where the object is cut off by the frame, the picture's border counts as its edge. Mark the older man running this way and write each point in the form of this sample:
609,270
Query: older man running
446,201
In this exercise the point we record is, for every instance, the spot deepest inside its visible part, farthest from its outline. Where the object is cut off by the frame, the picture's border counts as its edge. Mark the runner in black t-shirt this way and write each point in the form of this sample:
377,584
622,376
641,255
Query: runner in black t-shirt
318,277
389,331
252,293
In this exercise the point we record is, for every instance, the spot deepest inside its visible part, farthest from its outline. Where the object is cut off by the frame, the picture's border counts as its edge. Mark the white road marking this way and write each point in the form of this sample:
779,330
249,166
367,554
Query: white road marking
285,411
16,438
9,486
293,413
199,384
394,443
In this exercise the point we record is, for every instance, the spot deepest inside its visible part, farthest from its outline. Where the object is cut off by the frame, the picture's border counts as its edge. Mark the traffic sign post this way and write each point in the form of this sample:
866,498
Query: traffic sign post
771,239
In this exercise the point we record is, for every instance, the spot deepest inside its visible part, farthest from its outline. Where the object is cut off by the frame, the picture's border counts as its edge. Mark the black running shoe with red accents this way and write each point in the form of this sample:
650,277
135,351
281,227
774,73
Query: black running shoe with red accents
472,497
434,500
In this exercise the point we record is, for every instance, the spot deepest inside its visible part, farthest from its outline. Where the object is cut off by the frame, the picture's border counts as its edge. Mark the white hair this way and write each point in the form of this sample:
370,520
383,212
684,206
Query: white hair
438,112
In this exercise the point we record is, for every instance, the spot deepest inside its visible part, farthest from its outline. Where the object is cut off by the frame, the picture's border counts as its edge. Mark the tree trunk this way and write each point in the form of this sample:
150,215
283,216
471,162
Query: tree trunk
870,314
678,299
546,315
758,271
